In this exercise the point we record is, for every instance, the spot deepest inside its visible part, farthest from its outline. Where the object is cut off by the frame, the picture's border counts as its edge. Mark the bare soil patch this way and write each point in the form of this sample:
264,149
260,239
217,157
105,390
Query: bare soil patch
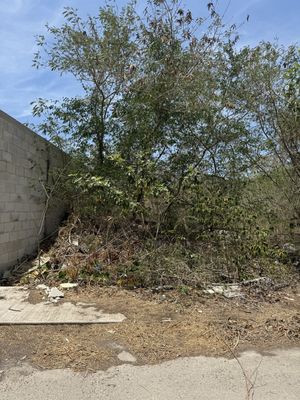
159,327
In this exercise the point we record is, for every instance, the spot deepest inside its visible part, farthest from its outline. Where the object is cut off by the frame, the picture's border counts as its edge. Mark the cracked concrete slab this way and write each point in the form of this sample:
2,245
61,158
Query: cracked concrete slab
16,309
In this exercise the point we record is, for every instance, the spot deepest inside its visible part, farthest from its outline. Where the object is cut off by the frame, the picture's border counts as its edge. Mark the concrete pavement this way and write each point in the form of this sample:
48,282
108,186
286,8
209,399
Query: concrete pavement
203,378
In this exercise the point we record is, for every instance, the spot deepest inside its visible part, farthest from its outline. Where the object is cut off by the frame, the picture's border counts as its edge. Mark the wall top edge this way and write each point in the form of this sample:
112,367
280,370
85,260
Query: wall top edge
8,118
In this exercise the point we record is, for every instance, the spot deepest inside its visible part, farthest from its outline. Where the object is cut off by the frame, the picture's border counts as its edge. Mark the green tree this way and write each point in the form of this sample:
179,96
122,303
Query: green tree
154,89
265,96
172,122
99,53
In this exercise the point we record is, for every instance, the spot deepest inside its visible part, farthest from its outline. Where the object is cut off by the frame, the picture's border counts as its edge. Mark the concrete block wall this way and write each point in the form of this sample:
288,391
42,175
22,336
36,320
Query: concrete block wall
27,162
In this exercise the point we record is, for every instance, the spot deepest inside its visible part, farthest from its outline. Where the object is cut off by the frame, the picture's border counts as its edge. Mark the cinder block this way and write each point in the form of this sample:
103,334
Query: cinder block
6,156
4,237
3,166
4,217
24,157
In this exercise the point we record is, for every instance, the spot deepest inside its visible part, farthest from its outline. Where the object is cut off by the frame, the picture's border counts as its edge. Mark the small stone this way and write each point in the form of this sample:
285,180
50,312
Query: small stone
126,357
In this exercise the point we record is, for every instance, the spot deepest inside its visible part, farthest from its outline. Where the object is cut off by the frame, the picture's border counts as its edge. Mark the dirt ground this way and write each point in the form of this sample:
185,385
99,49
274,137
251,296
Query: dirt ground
159,327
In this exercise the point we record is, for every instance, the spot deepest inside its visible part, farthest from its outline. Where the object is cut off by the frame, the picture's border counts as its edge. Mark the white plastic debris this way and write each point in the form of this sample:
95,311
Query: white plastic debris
68,285
55,293
42,287
228,291
40,261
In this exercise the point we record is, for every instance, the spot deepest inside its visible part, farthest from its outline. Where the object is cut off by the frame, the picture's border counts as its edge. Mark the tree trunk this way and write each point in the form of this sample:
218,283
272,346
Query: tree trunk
100,143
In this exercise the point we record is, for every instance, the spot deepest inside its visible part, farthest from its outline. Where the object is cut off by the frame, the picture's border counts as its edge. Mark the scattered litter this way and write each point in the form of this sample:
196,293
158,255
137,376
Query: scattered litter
68,285
126,357
228,291
52,293
162,288
231,290
32,269
64,267
290,248
215,290
166,320
289,298
55,294
39,268
42,287
262,280
40,262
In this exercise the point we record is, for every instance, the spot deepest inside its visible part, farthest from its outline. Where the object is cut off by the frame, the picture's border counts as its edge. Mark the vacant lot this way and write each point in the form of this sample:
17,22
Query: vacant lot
159,327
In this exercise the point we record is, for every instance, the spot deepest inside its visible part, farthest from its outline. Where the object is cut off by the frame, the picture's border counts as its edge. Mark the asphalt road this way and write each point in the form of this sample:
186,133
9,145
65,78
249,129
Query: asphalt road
276,376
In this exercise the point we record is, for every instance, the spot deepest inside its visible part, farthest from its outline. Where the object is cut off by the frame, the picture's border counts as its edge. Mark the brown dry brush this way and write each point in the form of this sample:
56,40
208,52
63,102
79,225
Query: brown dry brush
123,251
90,251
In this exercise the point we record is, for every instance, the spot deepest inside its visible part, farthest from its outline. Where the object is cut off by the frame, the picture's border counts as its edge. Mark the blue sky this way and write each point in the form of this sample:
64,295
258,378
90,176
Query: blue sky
21,20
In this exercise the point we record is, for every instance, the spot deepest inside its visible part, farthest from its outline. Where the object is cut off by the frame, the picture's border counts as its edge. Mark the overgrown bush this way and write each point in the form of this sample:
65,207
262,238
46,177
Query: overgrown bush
180,141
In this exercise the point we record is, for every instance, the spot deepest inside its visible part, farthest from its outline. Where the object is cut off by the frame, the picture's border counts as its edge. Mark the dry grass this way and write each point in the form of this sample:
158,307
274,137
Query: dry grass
156,330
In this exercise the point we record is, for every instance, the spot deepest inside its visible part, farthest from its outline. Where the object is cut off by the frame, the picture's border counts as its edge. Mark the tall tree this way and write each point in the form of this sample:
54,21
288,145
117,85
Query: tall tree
99,53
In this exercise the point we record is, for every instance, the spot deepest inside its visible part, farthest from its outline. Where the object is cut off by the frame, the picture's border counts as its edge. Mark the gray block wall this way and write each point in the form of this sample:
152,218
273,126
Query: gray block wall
27,164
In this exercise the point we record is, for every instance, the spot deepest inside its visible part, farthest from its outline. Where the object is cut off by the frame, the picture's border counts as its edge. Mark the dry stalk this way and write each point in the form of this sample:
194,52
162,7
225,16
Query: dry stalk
49,194
249,382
